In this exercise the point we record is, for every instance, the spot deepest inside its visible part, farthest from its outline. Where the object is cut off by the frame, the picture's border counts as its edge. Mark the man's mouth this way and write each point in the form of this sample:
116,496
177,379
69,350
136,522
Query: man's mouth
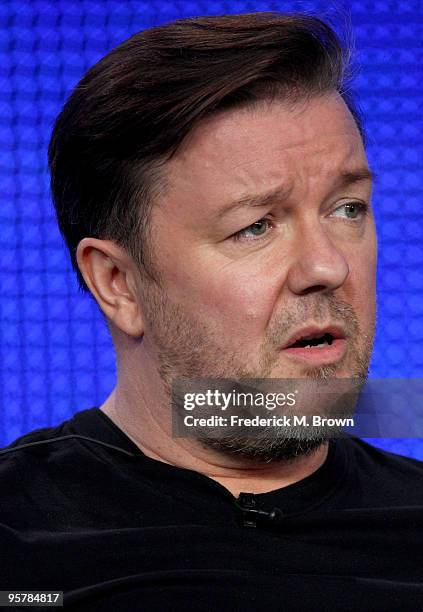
317,346
324,340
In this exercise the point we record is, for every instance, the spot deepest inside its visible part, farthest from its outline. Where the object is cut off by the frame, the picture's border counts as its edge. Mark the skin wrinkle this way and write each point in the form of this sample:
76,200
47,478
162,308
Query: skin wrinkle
200,358
224,309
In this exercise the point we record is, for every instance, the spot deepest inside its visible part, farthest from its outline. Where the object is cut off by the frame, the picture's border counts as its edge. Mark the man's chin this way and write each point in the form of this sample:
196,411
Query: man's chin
265,450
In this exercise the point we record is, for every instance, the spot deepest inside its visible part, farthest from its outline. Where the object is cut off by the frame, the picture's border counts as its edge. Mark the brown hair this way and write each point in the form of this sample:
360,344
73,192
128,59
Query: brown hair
132,110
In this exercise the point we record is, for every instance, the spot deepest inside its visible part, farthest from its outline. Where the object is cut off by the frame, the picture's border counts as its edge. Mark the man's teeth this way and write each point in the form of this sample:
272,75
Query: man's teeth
314,341
324,343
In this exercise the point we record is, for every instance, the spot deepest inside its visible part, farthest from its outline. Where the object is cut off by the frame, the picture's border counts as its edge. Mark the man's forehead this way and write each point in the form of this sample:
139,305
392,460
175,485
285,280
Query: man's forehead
344,178
267,124
266,148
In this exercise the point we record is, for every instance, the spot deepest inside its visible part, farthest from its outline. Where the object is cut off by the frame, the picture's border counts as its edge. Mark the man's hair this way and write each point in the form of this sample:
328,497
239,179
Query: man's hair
133,109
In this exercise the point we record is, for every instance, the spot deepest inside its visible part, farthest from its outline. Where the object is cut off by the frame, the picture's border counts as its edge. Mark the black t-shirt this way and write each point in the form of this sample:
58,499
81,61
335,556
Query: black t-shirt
116,530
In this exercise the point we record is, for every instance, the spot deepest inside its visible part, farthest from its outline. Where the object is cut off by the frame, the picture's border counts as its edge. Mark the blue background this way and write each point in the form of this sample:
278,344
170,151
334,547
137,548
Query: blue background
56,356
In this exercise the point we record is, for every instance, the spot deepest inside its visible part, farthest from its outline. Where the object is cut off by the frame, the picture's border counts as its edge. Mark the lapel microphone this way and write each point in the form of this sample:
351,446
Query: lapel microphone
252,515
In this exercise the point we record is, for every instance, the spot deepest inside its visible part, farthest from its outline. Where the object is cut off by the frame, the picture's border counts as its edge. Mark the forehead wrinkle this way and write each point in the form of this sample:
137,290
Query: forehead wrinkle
207,156
258,200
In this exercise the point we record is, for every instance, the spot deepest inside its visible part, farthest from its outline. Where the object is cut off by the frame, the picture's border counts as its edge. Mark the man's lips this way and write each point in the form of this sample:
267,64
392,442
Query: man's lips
315,355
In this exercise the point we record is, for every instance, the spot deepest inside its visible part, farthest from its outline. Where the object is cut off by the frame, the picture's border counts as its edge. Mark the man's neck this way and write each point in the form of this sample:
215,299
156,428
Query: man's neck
153,437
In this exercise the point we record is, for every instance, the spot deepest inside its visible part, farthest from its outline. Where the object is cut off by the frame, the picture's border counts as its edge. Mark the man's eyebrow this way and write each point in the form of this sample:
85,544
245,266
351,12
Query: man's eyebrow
345,178
251,201
349,177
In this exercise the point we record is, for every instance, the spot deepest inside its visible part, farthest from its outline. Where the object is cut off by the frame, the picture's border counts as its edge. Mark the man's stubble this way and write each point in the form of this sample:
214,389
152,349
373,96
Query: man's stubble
187,346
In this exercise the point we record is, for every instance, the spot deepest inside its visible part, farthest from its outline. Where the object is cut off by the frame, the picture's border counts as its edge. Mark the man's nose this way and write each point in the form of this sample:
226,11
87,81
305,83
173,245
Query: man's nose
318,263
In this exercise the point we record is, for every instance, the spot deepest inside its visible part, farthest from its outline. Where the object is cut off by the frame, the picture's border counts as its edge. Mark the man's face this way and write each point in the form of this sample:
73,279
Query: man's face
237,284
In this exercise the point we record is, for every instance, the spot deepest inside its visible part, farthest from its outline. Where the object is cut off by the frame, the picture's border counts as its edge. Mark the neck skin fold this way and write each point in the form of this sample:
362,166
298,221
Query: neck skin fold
144,415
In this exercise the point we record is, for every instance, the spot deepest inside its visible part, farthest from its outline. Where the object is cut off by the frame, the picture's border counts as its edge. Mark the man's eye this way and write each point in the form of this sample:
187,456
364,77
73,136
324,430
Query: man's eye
253,231
351,210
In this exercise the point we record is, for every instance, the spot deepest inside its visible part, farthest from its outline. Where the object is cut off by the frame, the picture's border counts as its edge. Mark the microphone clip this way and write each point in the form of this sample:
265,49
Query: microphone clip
252,515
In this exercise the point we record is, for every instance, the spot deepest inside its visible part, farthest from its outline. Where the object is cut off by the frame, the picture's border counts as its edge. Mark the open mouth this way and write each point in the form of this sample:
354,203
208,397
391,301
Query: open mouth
317,347
313,341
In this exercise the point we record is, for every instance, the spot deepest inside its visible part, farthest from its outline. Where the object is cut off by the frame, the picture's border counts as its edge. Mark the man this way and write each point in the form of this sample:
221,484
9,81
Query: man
211,182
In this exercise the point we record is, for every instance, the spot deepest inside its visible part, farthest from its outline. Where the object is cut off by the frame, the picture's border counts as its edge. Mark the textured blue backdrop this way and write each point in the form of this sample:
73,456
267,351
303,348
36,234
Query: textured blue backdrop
55,353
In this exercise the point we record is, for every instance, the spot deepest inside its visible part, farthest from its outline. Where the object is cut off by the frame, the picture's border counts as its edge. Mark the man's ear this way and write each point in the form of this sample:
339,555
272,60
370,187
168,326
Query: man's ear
110,275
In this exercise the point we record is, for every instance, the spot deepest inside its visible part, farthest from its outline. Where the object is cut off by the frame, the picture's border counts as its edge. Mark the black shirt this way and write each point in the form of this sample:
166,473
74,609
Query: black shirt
116,530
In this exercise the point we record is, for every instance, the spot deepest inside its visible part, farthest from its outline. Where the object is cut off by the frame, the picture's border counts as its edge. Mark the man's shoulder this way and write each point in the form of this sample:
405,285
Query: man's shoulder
34,435
385,458
38,467
389,476
40,441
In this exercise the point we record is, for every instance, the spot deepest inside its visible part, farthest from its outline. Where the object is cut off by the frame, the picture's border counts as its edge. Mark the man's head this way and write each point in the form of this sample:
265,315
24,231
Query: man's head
214,176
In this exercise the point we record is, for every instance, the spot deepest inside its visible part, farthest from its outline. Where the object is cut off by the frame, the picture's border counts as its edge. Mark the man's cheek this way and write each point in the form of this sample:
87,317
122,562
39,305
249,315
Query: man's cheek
243,302
361,290
249,290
